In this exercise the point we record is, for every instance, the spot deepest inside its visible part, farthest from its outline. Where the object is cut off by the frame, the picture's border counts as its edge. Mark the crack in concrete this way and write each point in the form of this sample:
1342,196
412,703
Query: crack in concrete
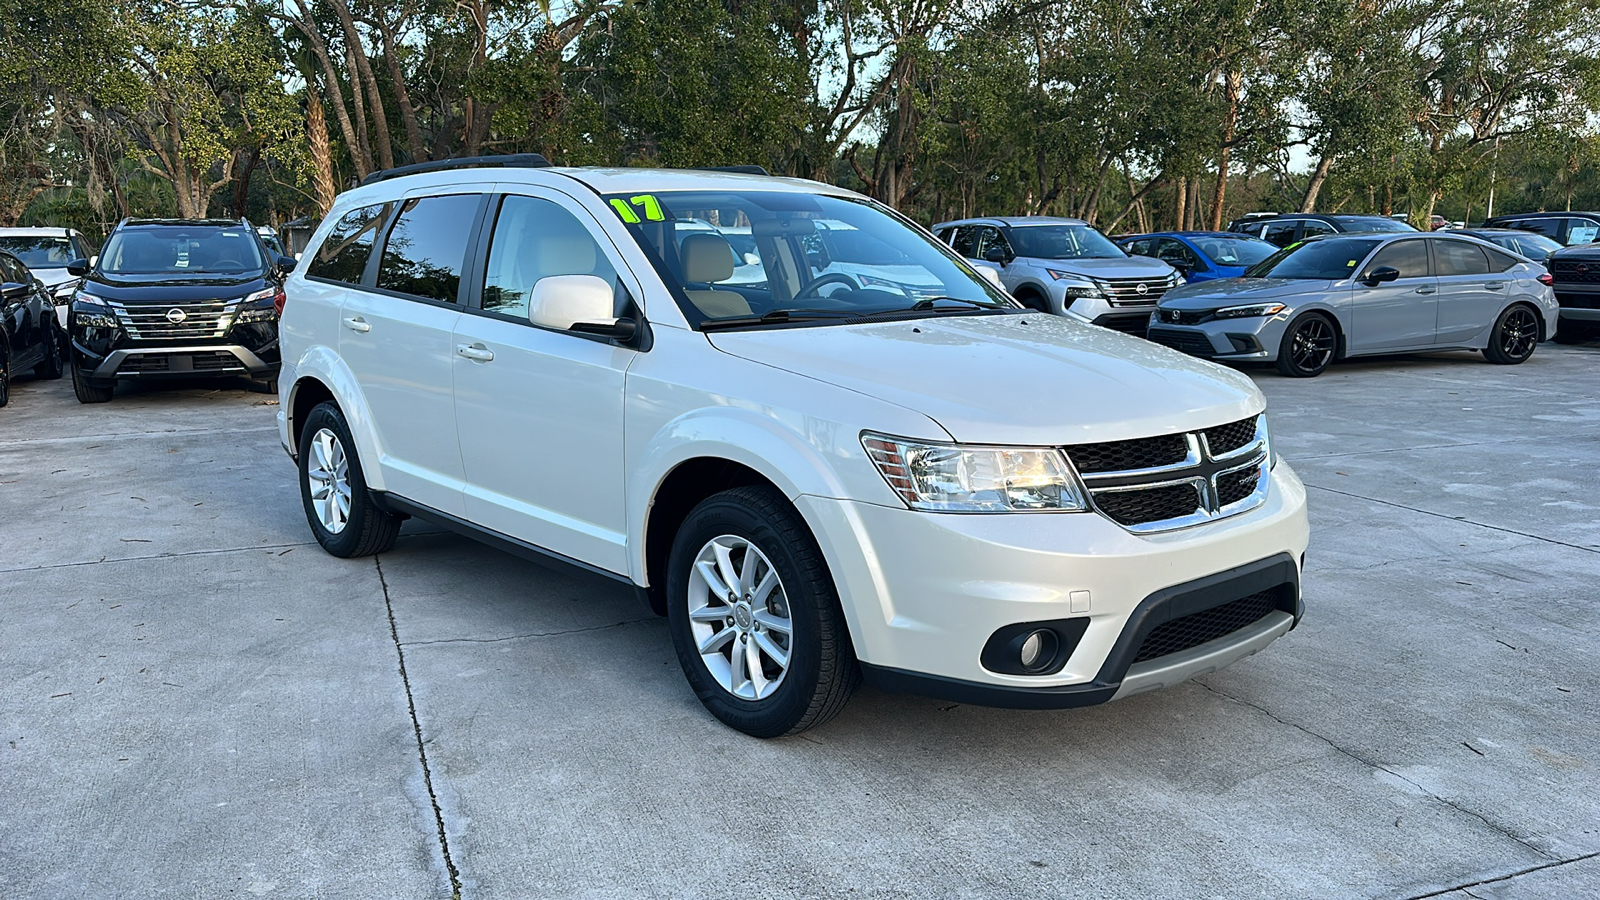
416,727
121,559
1371,764
1499,878
531,634
1347,453
1464,521
120,435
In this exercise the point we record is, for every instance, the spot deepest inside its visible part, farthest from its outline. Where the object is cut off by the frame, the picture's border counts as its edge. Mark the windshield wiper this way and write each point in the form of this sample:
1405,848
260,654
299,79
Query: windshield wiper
777,316
927,305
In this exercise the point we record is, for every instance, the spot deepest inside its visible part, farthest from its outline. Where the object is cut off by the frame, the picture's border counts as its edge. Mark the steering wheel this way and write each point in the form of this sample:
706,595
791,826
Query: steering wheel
825,280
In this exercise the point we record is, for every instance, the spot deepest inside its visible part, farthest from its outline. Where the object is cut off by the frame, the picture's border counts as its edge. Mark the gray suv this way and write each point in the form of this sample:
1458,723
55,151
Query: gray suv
1064,266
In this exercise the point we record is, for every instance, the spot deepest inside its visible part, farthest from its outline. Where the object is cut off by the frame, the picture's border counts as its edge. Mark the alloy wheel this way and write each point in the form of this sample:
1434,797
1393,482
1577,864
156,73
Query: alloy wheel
739,617
1519,333
328,472
1313,345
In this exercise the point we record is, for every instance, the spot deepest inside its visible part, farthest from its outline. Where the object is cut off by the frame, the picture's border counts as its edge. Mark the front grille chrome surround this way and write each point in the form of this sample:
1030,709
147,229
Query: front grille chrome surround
1124,292
1225,470
185,321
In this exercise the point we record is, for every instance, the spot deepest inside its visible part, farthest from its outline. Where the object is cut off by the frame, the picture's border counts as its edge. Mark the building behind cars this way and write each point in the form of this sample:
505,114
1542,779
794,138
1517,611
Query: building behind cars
816,477
46,252
1567,228
1064,266
176,298
1284,230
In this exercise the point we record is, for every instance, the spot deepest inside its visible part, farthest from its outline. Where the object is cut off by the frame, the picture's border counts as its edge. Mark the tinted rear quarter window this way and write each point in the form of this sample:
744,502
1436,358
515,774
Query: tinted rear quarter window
1459,258
427,246
344,253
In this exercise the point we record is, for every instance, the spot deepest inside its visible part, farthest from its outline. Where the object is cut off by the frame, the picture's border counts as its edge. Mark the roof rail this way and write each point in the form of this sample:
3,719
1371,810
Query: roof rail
737,170
510,160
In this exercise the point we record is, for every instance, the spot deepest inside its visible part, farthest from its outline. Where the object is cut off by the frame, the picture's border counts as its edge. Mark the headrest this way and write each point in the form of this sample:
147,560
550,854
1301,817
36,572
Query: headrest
564,254
706,258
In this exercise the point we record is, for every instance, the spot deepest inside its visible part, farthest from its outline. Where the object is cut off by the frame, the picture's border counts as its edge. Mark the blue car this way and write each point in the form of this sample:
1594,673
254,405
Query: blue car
1201,255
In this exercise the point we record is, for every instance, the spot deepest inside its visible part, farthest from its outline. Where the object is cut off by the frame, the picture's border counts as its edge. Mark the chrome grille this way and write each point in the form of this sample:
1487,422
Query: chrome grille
1125,291
1177,480
176,321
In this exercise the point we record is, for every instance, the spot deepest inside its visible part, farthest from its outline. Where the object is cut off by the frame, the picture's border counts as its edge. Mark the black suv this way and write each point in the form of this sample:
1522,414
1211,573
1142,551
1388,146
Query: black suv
176,298
1575,276
1568,228
28,337
1287,229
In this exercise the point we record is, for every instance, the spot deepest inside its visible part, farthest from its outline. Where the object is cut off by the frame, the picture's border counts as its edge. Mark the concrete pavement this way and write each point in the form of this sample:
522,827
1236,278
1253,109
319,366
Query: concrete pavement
195,701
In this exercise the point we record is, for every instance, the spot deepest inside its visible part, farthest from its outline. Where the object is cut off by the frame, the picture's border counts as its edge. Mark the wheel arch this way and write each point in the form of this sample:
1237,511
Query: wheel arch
1341,337
321,376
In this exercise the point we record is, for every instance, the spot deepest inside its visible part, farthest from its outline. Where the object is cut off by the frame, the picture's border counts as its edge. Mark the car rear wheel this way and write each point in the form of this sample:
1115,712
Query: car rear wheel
5,381
1515,335
755,617
339,508
1308,346
51,366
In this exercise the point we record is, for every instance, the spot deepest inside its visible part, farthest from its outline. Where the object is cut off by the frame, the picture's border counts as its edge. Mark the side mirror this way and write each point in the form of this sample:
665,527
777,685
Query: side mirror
286,264
1380,275
997,254
580,303
79,267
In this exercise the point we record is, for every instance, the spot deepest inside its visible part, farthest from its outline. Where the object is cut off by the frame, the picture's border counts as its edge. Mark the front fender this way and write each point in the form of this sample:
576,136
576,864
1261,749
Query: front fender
322,365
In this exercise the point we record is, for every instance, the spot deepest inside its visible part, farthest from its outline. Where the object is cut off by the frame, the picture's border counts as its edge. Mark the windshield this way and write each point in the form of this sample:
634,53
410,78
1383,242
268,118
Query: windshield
1534,246
1234,251
181,249
738,256
274,245
1063,242
1327,260
39,252
1373,224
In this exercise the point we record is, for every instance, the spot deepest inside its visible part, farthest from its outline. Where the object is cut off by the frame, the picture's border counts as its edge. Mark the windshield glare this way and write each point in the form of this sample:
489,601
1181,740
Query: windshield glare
743,254
1063,242
1374,224
39,252
1242,251
1328,260
180,250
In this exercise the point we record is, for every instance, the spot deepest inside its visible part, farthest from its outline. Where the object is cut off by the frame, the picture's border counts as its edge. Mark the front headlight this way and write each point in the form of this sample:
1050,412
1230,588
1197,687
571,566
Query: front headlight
66,290
91,311
262,306
1251,311
956,478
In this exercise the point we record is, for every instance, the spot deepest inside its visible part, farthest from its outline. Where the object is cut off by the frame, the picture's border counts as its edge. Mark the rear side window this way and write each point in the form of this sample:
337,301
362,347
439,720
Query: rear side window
1313,228
1410,258
1581,231
535,239
1280,233
1548,227
1459,258
344,253
966,242
1499,262
427,246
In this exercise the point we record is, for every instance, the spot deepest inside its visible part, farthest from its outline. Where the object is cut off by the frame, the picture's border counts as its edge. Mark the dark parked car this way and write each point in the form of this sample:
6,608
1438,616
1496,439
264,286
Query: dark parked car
28,329
1567,228
177,297
1534,246
1575,276
1287,229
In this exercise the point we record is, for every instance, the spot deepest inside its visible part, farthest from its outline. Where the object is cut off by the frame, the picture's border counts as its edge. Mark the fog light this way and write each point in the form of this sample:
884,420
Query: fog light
1038,649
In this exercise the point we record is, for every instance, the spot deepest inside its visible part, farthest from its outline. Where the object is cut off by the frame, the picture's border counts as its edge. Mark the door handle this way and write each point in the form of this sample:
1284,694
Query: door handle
357,324
1495,285
1426,290
475,352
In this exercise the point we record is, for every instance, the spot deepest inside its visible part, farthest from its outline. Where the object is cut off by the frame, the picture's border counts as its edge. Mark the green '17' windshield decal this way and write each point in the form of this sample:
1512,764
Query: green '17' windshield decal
650,205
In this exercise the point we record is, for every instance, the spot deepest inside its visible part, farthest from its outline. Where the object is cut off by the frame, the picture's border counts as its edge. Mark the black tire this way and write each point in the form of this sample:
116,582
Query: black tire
88,390
822,672
52,366
264,386
1572,333
1032,300
1308,347
1514,337
5,381
367,529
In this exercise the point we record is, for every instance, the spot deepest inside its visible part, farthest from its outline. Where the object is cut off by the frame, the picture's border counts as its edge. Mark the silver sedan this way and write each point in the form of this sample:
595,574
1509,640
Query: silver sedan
1347,295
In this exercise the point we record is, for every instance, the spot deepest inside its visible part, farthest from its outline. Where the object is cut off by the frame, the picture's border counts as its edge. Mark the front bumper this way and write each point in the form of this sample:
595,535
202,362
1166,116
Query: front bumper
923,593
1579,301
1239,340
186,361
1128,318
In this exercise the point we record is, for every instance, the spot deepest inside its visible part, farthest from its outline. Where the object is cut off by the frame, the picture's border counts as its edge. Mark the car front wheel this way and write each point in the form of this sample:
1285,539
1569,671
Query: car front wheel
1308,347
340,510
755,617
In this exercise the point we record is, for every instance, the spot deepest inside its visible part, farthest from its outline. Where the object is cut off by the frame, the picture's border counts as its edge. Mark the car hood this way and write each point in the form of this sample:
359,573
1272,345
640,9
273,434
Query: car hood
1585,252
1231,291
1010,379
1130,267
53,277
170,288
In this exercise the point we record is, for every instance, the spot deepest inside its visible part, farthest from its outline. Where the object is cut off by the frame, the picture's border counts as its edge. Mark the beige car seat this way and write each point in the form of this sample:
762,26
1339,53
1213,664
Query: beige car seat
707,259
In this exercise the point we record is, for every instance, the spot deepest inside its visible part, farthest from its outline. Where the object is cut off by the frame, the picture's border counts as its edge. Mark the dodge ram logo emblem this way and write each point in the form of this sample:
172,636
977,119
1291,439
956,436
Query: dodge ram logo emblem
1142,288
176,316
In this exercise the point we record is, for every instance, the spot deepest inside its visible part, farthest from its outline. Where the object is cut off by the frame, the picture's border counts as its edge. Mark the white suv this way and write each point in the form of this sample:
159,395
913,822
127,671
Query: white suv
814,479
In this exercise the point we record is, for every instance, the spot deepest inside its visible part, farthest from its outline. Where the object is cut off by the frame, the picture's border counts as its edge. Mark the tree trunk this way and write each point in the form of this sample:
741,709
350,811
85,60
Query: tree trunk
1318,176
360,153
1180,199
1225,151
363,66
360,104
322,183
241,176
408,113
